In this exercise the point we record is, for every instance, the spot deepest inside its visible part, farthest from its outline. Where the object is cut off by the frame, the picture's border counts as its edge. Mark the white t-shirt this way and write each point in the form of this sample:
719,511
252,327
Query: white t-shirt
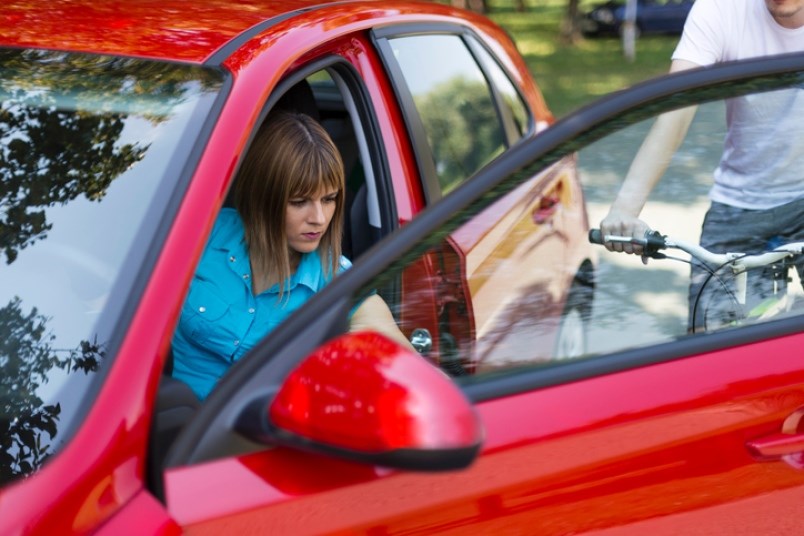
763,158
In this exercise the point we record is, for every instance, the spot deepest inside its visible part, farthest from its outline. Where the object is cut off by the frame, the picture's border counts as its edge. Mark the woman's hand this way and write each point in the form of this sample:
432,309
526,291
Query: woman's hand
374,314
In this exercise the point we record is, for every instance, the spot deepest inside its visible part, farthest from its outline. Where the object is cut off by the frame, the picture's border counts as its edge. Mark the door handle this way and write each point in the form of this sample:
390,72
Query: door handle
776,445
787,445
548,205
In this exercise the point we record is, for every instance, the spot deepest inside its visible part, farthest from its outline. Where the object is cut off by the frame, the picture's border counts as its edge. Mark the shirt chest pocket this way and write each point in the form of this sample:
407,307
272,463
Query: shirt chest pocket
203,317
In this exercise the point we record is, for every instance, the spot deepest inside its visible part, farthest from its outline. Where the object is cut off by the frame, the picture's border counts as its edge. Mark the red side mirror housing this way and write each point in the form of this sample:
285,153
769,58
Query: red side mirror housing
365,397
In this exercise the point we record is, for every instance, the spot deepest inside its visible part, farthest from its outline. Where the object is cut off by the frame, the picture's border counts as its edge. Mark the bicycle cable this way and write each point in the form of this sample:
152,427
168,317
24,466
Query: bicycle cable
724,286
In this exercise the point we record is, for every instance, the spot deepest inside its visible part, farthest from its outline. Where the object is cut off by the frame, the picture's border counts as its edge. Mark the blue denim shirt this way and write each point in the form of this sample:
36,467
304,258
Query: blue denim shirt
222,319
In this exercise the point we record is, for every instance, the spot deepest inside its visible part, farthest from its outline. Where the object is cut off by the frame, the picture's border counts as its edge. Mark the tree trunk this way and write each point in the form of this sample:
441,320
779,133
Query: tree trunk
571,29
478,6
520,6
628,30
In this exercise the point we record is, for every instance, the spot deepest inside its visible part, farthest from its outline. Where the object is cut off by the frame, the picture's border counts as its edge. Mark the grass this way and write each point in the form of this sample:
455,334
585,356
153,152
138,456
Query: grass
571,76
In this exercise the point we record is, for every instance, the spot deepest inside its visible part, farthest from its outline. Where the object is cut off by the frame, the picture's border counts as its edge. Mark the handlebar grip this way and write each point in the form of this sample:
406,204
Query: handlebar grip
654,241
651,244
595,236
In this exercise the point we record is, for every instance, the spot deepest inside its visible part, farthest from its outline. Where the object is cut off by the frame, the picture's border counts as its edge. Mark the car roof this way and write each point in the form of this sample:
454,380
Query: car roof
177,30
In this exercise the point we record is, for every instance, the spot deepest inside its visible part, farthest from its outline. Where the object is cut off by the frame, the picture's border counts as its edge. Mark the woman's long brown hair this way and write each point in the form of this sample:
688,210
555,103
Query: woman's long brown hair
291,156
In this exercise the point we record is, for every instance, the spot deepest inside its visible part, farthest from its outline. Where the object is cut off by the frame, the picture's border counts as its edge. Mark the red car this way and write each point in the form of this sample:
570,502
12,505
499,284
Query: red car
123,126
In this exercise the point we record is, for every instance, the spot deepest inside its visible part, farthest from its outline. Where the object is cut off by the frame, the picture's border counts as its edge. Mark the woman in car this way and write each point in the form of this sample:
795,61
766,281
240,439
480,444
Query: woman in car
271,253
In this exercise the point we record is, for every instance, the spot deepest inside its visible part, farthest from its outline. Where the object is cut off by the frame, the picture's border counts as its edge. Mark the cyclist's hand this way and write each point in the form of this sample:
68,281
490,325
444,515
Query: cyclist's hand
620,224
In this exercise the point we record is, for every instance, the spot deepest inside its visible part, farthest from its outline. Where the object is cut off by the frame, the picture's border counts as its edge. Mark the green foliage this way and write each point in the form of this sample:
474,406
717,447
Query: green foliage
573,75
462,128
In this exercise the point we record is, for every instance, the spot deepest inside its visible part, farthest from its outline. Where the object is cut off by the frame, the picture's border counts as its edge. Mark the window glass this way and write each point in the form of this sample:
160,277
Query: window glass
454,102
517,283
85,143
514,107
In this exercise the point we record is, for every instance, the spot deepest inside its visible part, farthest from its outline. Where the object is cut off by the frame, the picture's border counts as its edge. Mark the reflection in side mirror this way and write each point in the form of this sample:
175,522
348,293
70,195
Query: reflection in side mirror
364,397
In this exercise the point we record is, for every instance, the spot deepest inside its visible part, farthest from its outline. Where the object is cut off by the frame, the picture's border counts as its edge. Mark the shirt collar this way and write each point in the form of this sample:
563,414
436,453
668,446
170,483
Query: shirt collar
309,273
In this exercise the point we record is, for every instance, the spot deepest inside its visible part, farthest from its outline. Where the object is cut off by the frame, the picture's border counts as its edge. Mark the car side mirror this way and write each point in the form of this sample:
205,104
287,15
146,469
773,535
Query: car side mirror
366,398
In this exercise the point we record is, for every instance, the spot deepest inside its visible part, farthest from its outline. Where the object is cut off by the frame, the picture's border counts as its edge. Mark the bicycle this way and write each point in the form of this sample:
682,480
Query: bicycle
713,314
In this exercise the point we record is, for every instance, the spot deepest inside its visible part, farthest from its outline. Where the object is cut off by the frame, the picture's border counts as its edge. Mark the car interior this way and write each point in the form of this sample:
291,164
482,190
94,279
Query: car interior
324,96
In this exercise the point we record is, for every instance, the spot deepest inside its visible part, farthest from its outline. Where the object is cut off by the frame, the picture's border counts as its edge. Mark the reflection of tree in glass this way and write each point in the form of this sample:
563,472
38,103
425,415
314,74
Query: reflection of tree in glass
61,117
462,126
26,359
102,83
49,156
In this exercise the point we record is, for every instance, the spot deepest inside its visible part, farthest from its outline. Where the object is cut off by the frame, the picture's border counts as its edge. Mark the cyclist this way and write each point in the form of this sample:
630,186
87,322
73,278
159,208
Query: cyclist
758,192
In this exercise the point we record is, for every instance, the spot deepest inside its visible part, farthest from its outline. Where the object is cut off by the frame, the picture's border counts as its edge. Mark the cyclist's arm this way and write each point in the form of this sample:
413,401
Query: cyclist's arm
648,166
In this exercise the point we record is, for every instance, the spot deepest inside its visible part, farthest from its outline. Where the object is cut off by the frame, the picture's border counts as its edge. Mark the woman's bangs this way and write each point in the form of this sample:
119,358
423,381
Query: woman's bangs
314,175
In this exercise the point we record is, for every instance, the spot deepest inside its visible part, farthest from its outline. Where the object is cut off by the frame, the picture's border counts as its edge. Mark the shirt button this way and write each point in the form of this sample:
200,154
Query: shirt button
245,276
251,310
232,259
236,342
202,309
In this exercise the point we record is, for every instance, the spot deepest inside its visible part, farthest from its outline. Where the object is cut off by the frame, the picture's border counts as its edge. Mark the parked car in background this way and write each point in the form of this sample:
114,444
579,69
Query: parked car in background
652,17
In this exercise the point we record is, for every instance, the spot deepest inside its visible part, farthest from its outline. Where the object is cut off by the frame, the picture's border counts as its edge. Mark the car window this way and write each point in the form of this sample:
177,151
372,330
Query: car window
516,285
86,146
454,102
513,107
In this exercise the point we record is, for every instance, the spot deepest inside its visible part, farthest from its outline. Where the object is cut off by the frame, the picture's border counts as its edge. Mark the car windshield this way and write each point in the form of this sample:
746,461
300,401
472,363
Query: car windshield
88,147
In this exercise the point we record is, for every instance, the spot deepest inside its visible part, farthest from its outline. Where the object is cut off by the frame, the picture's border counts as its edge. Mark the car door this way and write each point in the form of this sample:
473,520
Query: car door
661,433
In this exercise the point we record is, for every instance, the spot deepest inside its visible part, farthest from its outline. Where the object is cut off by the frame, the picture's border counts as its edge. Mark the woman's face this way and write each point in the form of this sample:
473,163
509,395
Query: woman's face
307,219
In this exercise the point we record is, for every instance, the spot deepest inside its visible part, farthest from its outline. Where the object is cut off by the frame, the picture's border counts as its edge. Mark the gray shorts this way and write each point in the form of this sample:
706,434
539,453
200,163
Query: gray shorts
731,229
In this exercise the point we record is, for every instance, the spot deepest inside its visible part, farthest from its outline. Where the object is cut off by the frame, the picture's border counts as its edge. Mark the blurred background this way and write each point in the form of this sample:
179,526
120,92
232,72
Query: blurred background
573,68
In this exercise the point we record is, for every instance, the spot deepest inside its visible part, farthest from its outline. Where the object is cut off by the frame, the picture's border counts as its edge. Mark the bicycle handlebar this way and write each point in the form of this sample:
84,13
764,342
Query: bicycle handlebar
651,244
654,242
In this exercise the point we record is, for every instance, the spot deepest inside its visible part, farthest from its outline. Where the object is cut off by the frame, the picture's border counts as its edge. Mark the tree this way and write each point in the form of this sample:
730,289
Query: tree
571,28
478,6
462,128
629,30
